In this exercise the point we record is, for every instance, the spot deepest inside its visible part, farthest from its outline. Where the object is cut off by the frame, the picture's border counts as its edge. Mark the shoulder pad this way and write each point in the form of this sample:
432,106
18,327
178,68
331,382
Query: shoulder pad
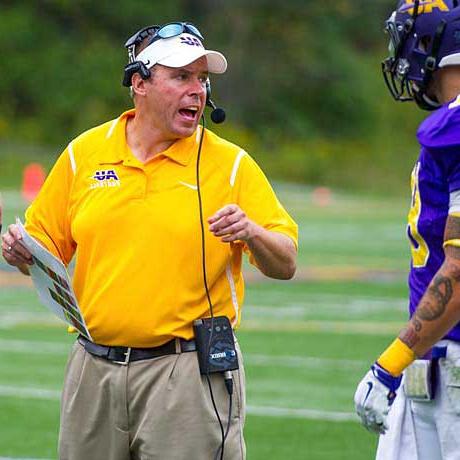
441,130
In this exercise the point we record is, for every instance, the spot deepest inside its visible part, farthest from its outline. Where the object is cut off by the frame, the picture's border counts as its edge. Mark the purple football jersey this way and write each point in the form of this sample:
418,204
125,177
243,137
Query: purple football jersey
435,175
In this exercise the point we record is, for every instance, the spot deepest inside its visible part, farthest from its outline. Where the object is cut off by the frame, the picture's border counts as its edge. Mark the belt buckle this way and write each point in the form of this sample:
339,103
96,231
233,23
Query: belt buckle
126,360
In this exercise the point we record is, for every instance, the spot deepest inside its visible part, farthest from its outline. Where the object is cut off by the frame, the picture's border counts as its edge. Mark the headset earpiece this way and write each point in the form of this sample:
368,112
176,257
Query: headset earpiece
132,68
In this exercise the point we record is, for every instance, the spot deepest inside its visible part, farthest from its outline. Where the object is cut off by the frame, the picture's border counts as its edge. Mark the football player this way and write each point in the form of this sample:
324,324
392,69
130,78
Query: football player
424,66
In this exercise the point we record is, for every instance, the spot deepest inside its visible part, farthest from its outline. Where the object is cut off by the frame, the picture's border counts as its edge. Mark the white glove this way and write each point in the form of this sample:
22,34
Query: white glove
374,396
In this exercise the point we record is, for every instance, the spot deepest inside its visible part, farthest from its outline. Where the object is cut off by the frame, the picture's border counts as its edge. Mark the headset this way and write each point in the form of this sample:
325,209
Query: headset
217,116
132,68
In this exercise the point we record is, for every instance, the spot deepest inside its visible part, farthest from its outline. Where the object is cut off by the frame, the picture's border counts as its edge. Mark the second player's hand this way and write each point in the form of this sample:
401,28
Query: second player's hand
374,396
231,224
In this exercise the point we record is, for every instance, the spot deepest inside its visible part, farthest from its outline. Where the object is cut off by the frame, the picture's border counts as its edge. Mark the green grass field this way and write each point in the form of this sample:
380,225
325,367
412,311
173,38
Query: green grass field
306,343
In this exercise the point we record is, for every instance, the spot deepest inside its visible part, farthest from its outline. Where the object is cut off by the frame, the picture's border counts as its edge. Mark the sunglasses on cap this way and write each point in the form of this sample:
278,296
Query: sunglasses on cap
173,29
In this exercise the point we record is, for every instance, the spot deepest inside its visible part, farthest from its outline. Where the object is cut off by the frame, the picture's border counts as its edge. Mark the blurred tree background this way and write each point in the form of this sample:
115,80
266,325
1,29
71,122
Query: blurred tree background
303,92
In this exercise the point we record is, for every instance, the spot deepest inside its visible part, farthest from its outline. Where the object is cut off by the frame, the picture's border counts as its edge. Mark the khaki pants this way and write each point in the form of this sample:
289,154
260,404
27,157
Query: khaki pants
159,408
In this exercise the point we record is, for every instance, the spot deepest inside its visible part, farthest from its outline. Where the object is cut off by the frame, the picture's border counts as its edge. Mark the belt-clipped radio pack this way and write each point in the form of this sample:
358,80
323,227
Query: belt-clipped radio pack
215,345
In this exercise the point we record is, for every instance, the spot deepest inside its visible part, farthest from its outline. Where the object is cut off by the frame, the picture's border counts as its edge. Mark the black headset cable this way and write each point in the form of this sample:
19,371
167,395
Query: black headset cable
205,282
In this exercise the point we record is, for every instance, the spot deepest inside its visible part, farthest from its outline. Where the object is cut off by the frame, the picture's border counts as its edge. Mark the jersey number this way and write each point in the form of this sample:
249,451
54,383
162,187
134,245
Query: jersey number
419,247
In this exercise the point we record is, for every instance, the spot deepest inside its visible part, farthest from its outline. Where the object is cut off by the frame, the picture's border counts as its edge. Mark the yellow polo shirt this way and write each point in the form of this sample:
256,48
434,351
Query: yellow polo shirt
135,231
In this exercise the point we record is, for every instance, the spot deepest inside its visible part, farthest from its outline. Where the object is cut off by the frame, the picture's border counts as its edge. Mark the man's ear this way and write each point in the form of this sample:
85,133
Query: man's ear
138,84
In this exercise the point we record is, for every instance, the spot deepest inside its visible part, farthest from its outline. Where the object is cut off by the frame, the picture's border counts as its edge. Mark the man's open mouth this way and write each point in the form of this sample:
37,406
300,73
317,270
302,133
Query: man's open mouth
189,112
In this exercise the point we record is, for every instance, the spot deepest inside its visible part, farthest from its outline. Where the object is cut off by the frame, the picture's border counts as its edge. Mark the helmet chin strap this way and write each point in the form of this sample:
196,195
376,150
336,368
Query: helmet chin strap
430,61
431,104
423,100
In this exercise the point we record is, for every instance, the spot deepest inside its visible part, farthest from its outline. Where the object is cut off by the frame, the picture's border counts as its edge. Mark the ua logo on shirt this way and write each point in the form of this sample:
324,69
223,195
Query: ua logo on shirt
105,178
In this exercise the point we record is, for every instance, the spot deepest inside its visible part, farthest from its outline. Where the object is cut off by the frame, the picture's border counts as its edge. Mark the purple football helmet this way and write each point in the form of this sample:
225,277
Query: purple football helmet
424,36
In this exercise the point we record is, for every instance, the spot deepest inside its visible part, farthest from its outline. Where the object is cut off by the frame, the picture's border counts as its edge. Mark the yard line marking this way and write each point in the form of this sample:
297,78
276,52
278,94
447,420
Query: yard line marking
331,305
300,361
22,458
30,346
10,320
16,309
304,413
334,327
30,393
253,359
12,200
310,414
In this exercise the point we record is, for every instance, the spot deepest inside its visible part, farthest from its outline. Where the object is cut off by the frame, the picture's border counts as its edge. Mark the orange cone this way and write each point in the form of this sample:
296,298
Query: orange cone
322,196
33,177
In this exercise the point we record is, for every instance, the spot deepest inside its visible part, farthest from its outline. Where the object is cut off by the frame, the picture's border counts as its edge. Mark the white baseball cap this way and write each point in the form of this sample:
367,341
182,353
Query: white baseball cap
179,51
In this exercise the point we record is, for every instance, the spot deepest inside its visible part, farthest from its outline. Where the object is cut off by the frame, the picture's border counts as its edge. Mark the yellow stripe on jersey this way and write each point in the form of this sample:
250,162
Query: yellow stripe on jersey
420,251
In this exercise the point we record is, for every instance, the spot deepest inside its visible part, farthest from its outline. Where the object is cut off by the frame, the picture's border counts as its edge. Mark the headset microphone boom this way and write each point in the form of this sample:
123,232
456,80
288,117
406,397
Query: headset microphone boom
217,114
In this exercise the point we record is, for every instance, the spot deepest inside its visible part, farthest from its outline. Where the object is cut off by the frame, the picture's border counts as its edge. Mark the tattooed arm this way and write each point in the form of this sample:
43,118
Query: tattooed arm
436,314
439,309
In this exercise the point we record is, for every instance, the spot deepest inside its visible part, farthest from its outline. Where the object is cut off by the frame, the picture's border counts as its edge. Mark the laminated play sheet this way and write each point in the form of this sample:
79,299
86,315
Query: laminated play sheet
53,284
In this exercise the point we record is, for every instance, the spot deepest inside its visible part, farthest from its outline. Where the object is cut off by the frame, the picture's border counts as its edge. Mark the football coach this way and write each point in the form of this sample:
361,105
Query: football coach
157,211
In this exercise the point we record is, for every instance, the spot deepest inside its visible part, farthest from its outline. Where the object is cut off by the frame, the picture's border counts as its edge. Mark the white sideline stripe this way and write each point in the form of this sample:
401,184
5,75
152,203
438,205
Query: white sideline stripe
12,200
334,307
9,320
236,165
29,346
331,327
301,361
30,393
312,414
22,458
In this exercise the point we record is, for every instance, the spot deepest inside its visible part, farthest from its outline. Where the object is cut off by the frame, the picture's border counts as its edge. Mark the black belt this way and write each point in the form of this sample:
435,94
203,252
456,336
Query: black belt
435,353
124,355
439,352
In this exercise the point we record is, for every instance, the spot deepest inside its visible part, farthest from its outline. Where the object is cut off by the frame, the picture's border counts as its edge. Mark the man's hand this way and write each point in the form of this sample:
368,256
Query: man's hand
231,223
13,251
274,253
374,396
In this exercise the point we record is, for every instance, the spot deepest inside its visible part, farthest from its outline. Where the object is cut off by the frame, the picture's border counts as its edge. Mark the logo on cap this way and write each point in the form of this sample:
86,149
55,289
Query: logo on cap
191,41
